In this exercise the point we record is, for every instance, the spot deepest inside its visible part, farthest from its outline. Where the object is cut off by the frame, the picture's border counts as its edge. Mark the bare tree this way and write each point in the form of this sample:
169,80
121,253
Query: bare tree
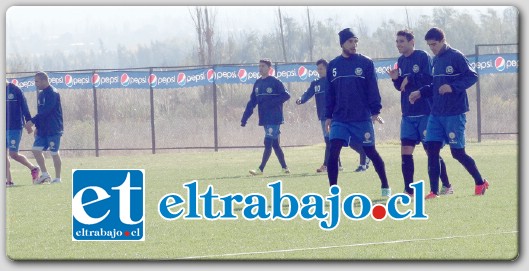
204,22
311,43
282,34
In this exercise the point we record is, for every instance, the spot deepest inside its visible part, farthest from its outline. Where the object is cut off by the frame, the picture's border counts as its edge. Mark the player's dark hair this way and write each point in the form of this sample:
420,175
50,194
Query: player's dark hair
322,61
406,33
42,75
266,61
435,33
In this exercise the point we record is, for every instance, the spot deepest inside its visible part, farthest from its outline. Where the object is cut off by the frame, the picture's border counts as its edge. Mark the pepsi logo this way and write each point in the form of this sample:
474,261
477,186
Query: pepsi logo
96,80
153,80
181,79
68,80
14,82
210,75
271,72
125,79
243,75
499,63
303,73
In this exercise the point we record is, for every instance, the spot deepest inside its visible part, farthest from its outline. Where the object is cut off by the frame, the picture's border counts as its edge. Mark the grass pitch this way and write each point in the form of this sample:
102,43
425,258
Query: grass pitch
460,226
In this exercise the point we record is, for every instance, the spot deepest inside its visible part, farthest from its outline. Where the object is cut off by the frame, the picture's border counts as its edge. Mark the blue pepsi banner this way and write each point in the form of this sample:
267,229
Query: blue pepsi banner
288,73
237,74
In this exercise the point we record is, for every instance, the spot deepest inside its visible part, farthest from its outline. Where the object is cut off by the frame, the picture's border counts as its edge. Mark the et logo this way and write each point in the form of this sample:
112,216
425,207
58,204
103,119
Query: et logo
108,205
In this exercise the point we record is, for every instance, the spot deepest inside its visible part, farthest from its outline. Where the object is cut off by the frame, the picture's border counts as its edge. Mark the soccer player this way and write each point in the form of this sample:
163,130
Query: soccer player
452,76
413,73
318,88
268,94
17,112
49,127
353,104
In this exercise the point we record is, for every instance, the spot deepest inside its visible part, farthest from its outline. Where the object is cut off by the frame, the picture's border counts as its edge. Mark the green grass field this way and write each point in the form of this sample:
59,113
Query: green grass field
460,226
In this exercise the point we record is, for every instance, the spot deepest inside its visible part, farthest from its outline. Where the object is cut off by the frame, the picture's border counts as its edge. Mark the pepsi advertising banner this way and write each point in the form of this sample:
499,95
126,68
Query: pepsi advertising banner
237,74
287,73
290,73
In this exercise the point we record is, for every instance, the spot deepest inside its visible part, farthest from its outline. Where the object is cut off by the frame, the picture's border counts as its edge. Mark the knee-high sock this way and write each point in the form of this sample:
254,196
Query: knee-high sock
378,163
408,168
469,164
434,164
444,174
279,153
327,151
360,150
332,164
266,153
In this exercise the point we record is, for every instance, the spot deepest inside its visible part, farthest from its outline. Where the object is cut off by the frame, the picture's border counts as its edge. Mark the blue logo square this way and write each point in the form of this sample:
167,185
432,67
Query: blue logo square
108,205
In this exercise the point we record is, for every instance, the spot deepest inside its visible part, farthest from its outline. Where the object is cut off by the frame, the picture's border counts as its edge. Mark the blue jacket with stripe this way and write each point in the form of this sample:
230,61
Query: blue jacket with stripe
17,111
268,94
417,67
450,67
353,93
49,113
317,88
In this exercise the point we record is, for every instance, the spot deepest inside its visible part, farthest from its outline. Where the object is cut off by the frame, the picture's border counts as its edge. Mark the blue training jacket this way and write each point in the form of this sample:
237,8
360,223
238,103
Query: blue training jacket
450,67
49,113
17,111
268,94
417,67
317,88
353,93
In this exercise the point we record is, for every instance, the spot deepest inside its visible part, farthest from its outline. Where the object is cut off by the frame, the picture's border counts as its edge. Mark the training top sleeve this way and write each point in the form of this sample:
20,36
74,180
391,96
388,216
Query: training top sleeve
330,95
467,77
51,99
308,93
373,93
252,103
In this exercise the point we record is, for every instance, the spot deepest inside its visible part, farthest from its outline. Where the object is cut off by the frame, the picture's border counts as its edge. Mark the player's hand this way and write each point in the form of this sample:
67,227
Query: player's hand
445,89
393,73
414,96
29,130
403,84
28,124
377,118
328,125
298,101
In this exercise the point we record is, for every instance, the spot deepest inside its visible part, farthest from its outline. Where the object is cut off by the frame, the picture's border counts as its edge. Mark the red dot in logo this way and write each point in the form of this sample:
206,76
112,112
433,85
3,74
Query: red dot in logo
127,233
379,212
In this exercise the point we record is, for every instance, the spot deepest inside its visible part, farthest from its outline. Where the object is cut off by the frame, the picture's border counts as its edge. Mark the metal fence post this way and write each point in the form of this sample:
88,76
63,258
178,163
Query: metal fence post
478,97
153,133
215,116
96,117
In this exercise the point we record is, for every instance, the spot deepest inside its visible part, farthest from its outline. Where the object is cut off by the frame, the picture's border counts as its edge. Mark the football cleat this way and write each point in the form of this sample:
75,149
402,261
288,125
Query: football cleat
321,169
35,174
480,189
256,172
446,190
386,192
432,195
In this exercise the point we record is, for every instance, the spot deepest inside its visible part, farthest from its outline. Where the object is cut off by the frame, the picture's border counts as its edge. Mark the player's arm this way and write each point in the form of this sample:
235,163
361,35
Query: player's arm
330,95
307,94
468,76
48,107
373,93
252,103
24,104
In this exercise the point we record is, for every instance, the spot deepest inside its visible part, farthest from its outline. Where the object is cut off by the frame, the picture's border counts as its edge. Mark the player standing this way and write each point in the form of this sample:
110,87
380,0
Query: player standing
452,76
268,94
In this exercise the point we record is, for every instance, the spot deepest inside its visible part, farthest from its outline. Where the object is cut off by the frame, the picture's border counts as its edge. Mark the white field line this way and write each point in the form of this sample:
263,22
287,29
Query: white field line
342,246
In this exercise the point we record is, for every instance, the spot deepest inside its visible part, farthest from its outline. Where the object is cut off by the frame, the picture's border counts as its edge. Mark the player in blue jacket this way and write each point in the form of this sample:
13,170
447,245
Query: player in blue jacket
17,113
268,94
413,73
317,89
353,104
49,125
452,76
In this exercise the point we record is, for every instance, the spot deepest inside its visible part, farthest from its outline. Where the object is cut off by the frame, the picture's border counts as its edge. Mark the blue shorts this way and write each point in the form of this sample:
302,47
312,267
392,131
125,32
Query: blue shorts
414,128
450,129
272,131
43,143
324,129
361,132
13,140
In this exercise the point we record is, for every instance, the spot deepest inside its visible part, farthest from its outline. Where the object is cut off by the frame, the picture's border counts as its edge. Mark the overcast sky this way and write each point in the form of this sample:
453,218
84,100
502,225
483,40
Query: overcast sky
130,26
